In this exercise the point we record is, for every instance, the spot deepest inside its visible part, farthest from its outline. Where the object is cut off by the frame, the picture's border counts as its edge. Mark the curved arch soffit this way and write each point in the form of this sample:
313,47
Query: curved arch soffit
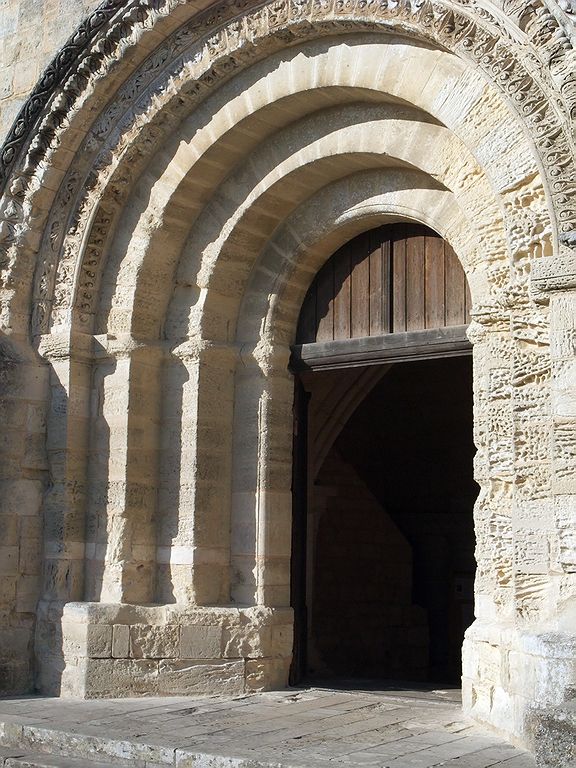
243,212
337,213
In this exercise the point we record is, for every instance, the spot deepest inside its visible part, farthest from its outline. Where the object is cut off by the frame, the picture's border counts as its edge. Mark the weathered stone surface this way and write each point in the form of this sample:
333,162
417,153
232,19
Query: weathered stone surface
87,640
554,735
217,676
266,674
120,641
118,677
148,642
168,196
201,642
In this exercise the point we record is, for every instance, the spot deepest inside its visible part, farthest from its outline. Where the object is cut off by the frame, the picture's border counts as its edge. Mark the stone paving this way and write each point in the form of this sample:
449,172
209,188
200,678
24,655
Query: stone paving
296,727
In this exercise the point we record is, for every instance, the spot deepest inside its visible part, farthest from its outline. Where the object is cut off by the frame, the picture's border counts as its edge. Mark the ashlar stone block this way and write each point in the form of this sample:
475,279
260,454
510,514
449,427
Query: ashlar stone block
120,677
148,642
266,674
120,641
216,676
93,641
201,642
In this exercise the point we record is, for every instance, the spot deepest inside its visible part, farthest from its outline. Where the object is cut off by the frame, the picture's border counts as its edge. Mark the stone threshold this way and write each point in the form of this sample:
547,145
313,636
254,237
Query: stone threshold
28,746
20,758
293,728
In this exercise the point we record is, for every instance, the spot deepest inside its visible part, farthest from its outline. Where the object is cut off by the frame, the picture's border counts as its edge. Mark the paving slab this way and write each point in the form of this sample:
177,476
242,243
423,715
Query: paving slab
297,728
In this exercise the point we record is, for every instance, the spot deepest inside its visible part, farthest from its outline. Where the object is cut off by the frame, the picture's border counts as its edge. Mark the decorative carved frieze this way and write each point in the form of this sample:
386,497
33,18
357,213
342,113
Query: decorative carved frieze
52,79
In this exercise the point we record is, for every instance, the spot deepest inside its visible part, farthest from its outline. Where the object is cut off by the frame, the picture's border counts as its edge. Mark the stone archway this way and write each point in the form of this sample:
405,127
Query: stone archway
382,553
164,216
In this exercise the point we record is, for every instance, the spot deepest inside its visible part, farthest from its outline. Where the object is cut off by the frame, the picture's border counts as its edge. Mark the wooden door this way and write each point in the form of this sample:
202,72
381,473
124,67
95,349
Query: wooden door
394,279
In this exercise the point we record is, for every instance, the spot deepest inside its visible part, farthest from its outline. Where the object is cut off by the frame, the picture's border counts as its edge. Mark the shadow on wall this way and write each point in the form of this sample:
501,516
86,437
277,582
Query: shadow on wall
172,504
98,485
23,480
69,509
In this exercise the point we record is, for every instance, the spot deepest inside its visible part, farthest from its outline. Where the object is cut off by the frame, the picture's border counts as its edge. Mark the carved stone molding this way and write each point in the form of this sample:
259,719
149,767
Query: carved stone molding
224,39
52,78
218,42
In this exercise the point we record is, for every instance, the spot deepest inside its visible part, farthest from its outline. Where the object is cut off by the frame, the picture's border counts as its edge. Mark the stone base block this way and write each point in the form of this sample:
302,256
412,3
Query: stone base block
507,673
96,650
554,736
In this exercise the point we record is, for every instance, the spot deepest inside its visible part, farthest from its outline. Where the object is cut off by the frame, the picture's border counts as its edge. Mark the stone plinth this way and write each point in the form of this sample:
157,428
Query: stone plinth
506,670
95,650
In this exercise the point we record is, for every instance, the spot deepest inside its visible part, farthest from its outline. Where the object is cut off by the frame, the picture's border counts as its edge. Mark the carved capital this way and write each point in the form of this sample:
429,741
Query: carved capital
266,357
66,346
201,350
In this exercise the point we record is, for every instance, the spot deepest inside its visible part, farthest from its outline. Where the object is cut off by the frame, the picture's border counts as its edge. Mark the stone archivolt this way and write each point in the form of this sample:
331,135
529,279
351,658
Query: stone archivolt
190,171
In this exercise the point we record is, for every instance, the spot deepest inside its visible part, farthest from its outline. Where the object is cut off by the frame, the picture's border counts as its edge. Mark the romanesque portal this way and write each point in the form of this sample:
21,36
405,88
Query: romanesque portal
171,188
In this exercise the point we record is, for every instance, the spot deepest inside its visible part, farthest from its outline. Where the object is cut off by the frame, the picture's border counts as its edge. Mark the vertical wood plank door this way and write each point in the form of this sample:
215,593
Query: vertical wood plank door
399,277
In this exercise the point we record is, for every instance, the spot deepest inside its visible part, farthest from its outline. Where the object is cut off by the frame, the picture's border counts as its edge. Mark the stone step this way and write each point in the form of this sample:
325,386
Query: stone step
53,761
17,757
62,750
285,729
74,750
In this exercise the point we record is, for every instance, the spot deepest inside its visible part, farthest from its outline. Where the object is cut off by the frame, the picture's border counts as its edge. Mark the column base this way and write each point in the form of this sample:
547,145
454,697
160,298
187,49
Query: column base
508,673
96,650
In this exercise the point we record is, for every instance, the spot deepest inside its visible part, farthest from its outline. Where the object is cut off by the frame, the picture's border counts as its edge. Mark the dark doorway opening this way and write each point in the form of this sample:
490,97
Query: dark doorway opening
383,565
383,540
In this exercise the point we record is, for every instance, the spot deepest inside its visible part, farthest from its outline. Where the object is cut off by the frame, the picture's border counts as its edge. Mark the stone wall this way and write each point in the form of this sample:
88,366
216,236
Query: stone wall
23,479
361,578
31,34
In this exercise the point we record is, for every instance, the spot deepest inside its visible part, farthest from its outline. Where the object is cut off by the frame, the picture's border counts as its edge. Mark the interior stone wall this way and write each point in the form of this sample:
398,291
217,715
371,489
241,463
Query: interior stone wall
362,618
169,195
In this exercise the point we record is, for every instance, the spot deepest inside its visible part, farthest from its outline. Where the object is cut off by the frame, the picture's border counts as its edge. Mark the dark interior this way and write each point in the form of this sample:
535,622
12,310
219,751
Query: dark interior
390,587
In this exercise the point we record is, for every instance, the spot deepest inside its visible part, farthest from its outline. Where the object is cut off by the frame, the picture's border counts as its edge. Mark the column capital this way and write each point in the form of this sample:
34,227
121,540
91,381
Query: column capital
125,346
66,345
197,349
269,358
